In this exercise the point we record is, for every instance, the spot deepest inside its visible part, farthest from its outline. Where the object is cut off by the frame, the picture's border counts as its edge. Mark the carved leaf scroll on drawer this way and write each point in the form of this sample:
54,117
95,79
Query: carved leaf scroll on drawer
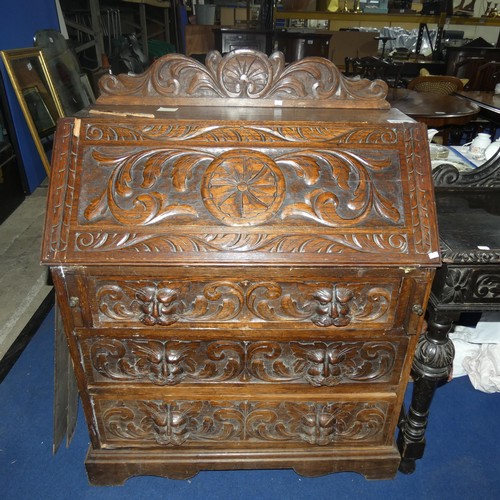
172,362
163,303
182,422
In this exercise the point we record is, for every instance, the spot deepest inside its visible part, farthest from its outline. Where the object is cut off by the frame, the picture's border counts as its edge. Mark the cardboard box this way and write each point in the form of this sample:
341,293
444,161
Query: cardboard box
240,14
227,16
352,44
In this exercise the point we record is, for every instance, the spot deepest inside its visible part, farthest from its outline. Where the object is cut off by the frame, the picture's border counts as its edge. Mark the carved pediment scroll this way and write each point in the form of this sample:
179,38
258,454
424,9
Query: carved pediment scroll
487,175
243,77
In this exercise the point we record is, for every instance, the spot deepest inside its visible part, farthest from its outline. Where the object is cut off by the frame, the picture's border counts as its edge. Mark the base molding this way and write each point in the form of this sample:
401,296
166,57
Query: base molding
114,467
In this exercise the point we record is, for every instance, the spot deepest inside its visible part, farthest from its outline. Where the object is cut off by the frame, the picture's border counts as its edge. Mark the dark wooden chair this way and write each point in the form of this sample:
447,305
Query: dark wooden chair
486,77
463,62
467,68
479,65
373,68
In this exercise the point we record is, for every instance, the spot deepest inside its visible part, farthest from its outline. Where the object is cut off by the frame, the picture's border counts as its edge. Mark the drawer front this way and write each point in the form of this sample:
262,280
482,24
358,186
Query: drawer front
171,423
119,357
324,299
322,303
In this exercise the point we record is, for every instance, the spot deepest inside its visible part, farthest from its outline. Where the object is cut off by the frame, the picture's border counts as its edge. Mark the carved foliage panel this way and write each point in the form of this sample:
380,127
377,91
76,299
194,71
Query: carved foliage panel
181,423
164,302
333,186
172,362
466,284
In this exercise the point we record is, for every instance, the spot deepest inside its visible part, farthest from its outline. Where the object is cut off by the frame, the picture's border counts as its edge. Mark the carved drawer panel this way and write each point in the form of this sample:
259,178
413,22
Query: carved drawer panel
170,423
326,299
157,361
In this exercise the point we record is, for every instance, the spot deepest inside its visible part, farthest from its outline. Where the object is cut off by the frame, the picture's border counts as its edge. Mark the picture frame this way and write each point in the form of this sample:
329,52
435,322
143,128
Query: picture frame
35,91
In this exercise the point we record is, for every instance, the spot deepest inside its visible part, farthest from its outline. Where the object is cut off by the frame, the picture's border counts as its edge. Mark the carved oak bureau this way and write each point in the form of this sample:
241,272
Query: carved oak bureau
242,253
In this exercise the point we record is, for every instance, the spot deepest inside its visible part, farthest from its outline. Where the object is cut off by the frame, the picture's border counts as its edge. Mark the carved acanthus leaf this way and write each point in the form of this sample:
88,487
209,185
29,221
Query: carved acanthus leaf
354,196
129,194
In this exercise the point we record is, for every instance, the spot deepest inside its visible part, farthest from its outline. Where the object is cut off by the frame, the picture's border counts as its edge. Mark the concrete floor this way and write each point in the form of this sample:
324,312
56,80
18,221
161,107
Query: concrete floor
24,283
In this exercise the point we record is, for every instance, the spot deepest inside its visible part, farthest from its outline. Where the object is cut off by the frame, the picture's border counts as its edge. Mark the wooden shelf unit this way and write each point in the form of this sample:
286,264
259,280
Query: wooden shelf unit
391,18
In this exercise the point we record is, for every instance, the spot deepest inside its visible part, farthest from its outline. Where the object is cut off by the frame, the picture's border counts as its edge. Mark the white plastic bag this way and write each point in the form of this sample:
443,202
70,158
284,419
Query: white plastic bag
477,352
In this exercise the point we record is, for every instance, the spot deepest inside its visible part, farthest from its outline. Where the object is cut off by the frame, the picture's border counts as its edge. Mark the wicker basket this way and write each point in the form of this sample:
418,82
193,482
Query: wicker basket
444,85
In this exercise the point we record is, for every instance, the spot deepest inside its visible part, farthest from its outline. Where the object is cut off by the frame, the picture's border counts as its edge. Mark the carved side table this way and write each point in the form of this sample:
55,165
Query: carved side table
468,205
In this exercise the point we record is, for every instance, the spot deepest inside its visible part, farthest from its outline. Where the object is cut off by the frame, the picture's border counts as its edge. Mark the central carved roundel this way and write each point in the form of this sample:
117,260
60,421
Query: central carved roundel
243,188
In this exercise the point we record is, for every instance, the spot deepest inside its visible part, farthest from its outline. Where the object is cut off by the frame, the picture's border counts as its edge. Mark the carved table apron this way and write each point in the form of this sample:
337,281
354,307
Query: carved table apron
469,281
241,287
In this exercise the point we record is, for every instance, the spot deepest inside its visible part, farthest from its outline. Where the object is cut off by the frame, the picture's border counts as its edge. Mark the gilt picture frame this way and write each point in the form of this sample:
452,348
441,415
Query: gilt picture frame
36,94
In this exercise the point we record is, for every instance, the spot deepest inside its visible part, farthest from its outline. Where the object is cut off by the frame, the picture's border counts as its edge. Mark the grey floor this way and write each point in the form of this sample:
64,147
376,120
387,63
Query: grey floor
23,281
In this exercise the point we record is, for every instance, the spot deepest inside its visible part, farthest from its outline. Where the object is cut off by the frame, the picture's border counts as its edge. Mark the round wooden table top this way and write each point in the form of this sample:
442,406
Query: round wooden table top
433,109
484,99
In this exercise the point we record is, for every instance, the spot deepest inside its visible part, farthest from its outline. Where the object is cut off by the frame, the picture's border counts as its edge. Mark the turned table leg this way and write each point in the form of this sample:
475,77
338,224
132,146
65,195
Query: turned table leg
432,365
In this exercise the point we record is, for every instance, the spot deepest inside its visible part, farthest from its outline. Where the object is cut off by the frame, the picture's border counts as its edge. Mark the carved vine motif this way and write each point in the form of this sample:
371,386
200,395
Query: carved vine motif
423,225
239,133
173,362
177,423
244,74
63,196
231,242
471,257
243,187
164,303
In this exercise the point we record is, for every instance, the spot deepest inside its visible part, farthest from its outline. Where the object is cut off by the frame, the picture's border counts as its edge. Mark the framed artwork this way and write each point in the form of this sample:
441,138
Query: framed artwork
36,94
